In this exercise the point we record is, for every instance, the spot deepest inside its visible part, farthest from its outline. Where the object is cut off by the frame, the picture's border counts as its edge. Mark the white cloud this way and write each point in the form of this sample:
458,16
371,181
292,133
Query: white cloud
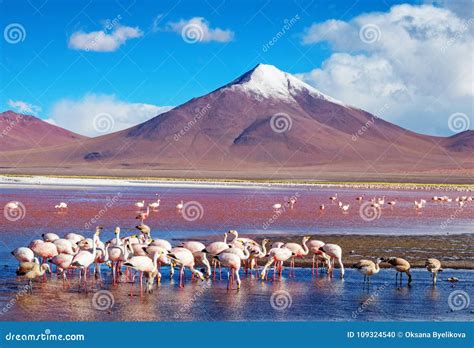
197,29
102,41
100,114
416,59
24,107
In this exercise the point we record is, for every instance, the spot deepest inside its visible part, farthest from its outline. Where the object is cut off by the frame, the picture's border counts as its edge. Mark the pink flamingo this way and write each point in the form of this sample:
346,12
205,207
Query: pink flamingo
144,215
184,258
318,255
24,254
86,258
277,254
298,251
232,262
334,251
147,265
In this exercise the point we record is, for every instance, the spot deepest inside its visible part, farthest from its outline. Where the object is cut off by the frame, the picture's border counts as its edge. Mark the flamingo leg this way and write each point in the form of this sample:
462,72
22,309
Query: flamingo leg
141,284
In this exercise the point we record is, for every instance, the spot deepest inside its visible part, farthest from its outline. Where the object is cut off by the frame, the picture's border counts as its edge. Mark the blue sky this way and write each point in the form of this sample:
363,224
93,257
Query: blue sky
49,73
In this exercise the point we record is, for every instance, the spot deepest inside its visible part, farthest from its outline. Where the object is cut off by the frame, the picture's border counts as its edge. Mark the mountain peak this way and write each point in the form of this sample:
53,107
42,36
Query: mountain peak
269,82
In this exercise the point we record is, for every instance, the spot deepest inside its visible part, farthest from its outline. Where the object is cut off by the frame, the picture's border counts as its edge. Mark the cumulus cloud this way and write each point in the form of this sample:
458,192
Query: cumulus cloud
24,107
100,114
103,40
197,29
418,60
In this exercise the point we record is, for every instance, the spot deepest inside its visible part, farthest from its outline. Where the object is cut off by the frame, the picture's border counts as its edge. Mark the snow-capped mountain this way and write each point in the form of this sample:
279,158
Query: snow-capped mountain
265,123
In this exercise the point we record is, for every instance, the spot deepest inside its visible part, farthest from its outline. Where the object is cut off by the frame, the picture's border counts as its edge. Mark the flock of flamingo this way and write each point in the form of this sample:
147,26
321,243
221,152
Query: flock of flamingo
144,255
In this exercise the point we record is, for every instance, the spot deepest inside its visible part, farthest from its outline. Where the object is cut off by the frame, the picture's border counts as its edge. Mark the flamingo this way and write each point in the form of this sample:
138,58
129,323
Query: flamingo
154,205
74,237
333,198
334,251
140,204
145,264
86,258
61,205
277,254
143,215
118,252
297,250
197,249
360,198
368,268
63,263
180,205
322,207
292,202
392,203
418,205
232,262
23,254
184,258
318,255
50,237
433,266
45,250
13,205
216,248
65,246
32,273
401,266
345,208
276,206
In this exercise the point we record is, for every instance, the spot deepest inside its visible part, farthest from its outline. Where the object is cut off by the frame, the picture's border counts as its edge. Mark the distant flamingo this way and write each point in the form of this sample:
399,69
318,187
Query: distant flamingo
61,205
180,205
144,215
140,204
276,206
333,198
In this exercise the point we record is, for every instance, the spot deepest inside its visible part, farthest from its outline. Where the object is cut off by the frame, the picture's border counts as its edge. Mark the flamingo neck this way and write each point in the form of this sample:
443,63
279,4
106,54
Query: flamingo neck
264,249
305,247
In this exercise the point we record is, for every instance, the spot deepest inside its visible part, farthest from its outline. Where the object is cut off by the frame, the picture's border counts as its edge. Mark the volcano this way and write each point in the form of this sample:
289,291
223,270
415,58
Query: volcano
267,124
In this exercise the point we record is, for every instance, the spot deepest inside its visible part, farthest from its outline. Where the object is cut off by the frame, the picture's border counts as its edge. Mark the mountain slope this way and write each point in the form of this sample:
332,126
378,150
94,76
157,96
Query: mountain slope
21,132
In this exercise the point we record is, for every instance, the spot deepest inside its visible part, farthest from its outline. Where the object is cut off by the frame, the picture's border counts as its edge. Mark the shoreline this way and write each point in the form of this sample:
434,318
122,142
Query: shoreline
453,251
64,181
